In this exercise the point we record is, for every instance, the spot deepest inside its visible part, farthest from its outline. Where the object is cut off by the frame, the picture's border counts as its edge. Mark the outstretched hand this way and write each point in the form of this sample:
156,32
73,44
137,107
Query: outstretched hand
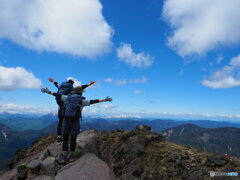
45,90
51,80
108,99
91,83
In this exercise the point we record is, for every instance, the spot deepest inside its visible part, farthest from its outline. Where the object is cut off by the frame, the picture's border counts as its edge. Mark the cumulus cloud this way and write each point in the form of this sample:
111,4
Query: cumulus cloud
141,80
220,59
131,81
140,60
100,109
107,106
202,25
17,78
181,72
226,77
22,109
138,91
75,27
108,80
121,82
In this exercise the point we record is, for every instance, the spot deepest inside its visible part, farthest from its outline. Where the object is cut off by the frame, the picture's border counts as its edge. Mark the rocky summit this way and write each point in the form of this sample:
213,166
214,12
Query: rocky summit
117,155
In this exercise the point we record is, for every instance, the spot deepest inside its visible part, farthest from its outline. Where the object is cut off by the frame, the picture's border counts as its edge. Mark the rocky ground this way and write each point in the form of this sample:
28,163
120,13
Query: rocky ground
121,155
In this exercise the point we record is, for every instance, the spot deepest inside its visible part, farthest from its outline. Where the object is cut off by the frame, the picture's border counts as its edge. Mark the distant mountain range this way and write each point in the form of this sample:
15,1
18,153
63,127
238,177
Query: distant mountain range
24,122
33,122
217,140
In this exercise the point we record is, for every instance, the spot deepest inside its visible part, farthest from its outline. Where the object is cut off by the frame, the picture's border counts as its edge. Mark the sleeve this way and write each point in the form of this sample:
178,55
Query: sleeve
56,94
85,102
84,86
94,101
56,84
64,97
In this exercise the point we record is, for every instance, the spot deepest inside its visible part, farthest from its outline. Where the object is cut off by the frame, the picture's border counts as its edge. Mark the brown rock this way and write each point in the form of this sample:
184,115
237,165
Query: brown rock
22,171
9,174
87,141
48,166
55,149
135,168
44,155
87,167
34,166
143,128
43,177
216,160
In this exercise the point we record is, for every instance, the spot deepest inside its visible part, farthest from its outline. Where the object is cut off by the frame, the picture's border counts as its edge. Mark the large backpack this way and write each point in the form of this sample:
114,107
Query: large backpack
64,89
71,108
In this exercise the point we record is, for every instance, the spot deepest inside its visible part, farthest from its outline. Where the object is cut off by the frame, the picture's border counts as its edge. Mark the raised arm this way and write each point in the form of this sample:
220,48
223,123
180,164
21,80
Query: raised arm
54,82
46,90
101,100
87,85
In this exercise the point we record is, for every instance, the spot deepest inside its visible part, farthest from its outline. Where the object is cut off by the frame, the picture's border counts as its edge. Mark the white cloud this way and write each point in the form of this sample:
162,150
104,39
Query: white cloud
123,116
220,59
142,80
17,78
226,77
100,109
75,27
140,60
188,116
138,91
22,109
181,72
107,106
121,82
202,25
108,80
131,81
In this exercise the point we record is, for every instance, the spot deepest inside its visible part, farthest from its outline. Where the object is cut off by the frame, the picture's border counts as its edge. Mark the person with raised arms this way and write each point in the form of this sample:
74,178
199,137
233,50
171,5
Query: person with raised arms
64,88
72,113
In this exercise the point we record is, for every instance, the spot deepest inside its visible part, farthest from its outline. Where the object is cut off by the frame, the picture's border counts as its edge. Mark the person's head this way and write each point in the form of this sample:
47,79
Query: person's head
78,90
70,80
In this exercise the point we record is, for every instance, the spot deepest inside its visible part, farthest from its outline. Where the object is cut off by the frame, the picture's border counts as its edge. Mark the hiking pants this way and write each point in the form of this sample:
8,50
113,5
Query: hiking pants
71,127
60,120
72,143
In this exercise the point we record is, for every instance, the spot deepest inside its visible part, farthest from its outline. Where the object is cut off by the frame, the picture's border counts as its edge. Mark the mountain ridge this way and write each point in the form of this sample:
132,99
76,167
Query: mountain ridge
222,140
136,154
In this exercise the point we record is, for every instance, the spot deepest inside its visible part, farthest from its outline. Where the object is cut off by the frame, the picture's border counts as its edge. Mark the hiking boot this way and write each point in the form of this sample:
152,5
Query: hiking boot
59,139
62,158
72,157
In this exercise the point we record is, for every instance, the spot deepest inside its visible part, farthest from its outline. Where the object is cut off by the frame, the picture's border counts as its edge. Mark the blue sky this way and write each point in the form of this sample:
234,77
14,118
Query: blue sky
154,58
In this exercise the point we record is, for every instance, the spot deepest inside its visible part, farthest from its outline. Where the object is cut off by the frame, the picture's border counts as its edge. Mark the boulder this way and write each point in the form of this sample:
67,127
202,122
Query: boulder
34,166
216,160
48,166
143,128
87,167
135,168
22,171
43,177
44,155
87,141
55,149
9,174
